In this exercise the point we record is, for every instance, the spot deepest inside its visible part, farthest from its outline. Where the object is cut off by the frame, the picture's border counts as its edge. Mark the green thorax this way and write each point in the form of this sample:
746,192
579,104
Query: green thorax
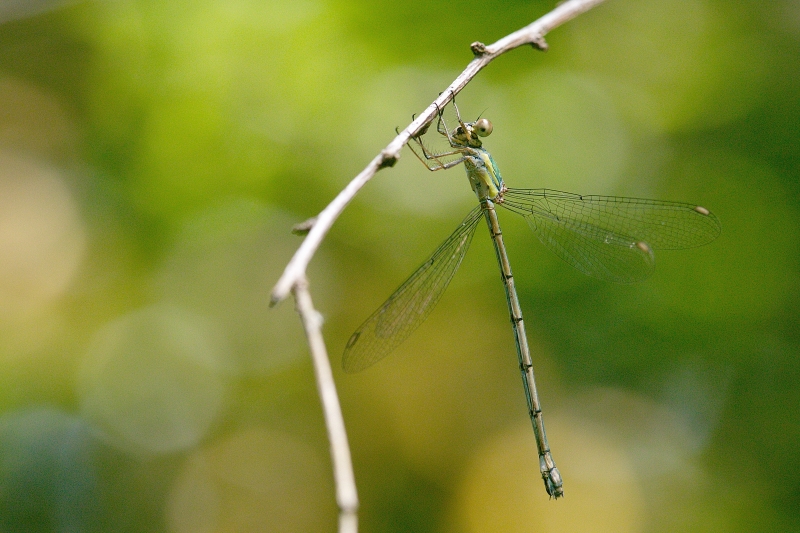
484,176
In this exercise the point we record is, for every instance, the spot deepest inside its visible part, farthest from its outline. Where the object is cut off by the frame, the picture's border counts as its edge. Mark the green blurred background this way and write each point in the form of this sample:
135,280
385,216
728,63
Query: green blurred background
154,156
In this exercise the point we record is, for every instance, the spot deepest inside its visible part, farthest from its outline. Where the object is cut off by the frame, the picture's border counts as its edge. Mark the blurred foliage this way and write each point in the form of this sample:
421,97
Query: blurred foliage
154,156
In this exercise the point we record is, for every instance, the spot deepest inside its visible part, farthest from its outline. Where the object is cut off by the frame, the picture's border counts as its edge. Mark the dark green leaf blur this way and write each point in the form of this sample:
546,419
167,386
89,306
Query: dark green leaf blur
154,157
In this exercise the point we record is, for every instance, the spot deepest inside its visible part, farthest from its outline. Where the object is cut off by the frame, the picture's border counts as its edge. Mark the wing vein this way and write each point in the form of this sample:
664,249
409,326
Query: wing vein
411,303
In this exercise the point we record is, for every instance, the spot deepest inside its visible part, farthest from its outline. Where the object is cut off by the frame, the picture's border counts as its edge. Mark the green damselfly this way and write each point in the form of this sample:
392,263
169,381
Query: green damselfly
608,237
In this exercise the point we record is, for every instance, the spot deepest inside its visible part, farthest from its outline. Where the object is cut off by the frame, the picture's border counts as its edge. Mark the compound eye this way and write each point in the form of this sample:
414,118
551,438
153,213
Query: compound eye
483,127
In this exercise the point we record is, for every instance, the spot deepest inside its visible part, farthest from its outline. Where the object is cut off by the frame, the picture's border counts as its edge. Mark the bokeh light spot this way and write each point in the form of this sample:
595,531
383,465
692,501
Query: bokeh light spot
223,266
151,380
255,480
503,491
42,239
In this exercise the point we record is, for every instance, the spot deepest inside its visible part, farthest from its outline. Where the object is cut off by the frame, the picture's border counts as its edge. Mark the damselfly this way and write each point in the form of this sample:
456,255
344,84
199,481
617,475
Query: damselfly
607,237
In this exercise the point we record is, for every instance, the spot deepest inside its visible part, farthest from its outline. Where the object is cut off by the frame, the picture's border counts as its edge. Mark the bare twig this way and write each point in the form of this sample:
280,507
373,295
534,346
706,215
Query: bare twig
346,496
294,276
532,34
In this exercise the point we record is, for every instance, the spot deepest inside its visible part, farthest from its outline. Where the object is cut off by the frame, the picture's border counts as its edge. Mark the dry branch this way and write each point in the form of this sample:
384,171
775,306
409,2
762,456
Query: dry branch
294,276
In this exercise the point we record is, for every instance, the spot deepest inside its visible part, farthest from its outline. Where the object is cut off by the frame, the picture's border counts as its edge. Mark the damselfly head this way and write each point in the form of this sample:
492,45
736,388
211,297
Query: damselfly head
482,127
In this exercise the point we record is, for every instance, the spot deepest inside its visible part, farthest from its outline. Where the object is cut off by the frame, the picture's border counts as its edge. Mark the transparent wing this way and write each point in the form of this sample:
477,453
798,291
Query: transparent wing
609,237
411,303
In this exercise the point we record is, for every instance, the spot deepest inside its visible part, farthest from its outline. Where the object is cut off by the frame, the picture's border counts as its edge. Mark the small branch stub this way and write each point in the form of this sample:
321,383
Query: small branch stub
304,227
478,48
539,43
388,159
